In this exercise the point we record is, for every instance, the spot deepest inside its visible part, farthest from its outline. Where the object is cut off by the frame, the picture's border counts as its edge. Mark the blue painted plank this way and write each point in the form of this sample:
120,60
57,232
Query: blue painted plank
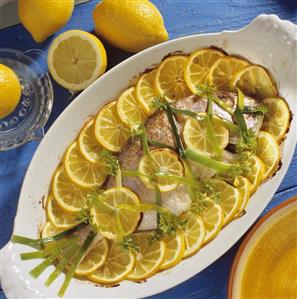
181,18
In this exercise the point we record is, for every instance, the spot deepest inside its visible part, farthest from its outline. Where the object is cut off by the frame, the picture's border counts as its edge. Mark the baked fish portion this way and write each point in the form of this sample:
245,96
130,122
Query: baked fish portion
158,129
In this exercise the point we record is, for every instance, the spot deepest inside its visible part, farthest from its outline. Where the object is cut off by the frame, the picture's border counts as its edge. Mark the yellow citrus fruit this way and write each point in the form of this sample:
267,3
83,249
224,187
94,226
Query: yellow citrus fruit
244,187
82,172
10,90
69,196
198,66
49,230
44,18
277,120
129,110
268,151
175,247
94,258
58,217
194,233
110,131
88,144
224,70
162,161
146,92
114,222
169,79
196,135
213,218
129,25
76,59
149,258
230,199
118,264
255,173
255,81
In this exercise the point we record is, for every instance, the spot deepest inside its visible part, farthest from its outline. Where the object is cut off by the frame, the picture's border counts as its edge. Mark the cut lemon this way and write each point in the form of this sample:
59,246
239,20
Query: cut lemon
194,233
149,258
255,172
175,247
230,199
49,230
94,258
268,151
277,119
198,66
118,264
244,187
110,131
82,172
213,219
112,221
88,144
58,217
224,70
76,59
129,109
196,137
69,196
255,81
161,161
146,92
169,79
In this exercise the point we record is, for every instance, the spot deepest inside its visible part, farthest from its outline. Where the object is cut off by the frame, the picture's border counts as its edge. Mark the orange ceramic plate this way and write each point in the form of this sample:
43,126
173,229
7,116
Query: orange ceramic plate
266,263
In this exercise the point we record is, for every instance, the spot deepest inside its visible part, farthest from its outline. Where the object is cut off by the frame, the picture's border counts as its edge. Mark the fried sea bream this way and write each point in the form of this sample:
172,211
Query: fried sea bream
158,129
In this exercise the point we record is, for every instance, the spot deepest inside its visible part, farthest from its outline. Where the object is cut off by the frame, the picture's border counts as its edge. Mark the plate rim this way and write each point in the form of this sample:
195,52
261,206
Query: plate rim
244,244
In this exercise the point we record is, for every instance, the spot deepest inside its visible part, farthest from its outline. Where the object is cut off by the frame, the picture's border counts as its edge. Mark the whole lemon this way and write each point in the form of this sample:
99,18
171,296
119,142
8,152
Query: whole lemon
42,18
10,90
129,25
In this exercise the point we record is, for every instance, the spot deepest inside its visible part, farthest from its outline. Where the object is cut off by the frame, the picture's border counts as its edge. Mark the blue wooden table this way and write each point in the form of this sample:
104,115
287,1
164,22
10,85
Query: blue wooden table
182,17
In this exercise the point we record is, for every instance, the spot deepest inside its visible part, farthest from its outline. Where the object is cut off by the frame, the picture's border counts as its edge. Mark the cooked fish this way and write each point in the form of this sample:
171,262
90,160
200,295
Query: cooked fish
158,129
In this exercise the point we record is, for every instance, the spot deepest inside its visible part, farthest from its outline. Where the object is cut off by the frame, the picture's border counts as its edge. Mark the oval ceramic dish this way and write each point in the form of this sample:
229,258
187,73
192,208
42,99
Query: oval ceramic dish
267,41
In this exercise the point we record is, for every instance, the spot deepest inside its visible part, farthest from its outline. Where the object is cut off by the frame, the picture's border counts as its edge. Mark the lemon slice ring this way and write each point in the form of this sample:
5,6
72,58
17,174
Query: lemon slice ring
113,222
160,161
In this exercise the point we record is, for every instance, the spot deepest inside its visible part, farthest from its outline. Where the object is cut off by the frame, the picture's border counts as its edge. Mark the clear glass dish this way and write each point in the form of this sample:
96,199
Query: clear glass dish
26,122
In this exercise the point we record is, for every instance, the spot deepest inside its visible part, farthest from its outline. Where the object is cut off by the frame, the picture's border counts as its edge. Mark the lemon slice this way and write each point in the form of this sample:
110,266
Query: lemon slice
118,264
268,151
112,221
175,247
149,258
76,59
244,187
224,70
277,120
161,161
196,136
198,66
69,196
255,81
146,92
110,131
82,172
129,109
213,219
58,217
194,233
230,199
169,79
88,145
49,230
255,172
94,258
